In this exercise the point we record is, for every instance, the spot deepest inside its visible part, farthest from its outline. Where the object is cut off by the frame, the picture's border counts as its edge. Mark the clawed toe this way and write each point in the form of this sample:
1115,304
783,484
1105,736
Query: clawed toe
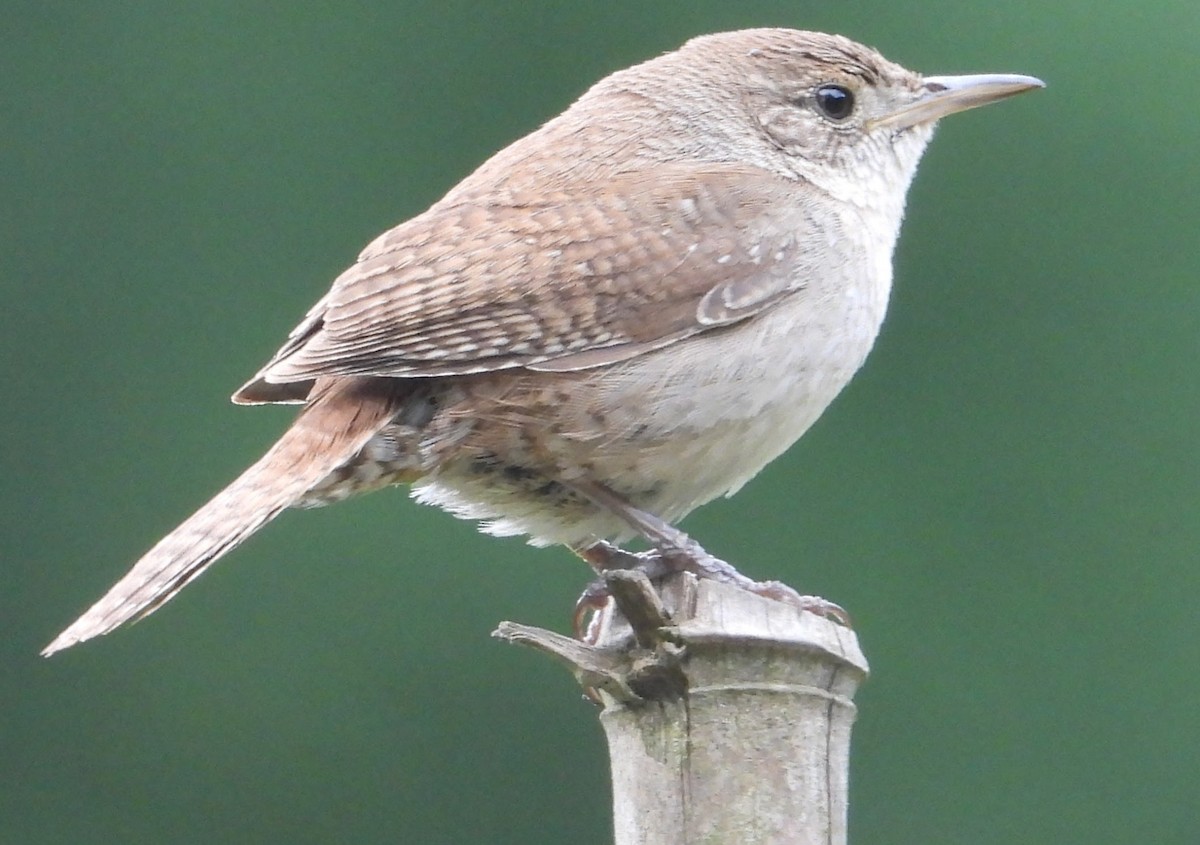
591,601
604,557
779,591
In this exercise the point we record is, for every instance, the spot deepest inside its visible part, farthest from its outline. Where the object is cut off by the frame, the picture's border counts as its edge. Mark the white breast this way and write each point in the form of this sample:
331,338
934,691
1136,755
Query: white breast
712,411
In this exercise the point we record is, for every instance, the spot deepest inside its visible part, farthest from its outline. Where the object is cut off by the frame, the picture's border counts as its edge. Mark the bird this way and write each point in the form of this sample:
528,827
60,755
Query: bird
614,320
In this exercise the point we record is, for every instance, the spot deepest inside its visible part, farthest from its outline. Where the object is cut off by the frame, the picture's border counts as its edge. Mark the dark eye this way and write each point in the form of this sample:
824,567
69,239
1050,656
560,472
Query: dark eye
835,102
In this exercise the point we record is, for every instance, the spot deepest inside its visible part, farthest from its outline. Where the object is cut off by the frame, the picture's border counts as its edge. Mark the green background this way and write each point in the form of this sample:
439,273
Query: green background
1006,498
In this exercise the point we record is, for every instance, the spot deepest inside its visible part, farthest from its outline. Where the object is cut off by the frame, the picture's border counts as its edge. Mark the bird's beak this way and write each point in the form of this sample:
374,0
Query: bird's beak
943,95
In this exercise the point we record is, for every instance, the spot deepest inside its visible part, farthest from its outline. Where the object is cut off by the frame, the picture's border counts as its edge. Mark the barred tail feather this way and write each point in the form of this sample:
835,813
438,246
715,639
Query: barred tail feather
341,417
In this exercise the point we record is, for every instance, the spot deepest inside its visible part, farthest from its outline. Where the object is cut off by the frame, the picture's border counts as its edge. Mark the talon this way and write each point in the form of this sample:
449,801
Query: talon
591,601
604,557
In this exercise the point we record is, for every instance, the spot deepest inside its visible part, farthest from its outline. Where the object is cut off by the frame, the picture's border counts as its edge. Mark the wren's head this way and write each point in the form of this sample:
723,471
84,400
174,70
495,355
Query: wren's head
805,105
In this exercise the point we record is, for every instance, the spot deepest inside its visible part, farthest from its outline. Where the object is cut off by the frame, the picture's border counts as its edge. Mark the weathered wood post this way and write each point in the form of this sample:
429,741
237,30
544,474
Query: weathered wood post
727,715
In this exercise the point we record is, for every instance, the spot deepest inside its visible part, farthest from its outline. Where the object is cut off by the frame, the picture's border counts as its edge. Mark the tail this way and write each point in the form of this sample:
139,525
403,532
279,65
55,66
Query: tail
342,415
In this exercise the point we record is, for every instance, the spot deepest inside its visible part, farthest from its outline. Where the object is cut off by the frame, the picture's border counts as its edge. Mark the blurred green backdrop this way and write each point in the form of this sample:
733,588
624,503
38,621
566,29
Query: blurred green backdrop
1006,499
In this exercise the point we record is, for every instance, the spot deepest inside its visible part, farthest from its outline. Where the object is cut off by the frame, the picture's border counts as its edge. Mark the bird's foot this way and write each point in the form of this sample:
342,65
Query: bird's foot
690,556
680,553
673,551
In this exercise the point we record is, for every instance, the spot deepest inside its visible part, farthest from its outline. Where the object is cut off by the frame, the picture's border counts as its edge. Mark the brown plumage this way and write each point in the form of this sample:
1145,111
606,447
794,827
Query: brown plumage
616,319
342,414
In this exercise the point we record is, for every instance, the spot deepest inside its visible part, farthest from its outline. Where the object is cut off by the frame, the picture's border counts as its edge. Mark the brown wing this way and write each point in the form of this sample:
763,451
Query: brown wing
565,280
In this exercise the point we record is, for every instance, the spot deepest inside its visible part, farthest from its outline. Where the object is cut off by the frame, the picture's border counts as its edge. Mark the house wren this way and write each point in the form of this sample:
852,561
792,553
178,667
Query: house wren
612,321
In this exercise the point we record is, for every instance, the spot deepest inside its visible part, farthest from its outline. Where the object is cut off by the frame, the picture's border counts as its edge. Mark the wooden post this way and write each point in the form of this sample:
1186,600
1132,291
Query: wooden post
727,715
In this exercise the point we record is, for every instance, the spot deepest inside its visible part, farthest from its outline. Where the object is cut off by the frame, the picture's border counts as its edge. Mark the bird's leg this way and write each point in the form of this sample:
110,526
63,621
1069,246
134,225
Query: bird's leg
674,551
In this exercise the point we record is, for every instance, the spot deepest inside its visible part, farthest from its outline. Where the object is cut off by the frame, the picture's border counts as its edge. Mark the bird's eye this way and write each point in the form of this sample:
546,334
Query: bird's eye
836,102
